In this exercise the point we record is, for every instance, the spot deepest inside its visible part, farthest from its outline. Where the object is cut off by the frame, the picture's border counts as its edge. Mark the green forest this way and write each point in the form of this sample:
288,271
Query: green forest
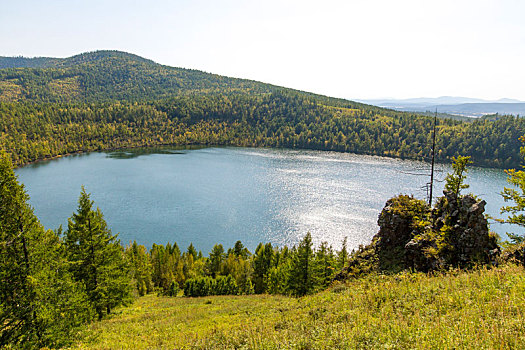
111,100
31,132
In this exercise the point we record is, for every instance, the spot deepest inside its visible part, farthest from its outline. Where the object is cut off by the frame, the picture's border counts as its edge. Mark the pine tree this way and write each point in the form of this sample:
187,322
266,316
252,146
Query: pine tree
262,262
301,279
40,304
140,264
215,261
97,258
342,255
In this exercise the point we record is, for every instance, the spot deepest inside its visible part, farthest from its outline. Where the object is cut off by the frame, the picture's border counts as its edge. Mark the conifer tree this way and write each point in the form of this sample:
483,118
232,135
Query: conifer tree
342,255
141,268
193,264
240,250
192,251
97,258
455,180
262,262
163,266
40,304
215,261
324,261
301,279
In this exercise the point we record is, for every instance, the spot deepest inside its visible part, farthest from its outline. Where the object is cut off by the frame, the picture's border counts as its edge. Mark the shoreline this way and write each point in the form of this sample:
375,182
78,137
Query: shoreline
197,146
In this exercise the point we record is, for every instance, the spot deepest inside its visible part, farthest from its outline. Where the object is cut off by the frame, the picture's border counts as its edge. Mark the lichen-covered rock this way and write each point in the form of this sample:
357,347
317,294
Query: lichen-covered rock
414,236
397,218
396,228
420,252
459,236
465,230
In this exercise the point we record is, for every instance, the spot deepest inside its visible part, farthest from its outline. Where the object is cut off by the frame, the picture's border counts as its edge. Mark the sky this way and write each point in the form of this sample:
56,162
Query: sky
353,49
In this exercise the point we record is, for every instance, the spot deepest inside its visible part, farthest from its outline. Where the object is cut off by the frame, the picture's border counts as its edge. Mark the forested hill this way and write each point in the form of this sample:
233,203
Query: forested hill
103,76
108,75
24,62
83,58
110,99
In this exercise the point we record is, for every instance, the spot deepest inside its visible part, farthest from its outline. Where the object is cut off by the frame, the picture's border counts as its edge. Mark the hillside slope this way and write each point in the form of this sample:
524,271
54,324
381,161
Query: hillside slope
481,309
25,62
107,75
109,99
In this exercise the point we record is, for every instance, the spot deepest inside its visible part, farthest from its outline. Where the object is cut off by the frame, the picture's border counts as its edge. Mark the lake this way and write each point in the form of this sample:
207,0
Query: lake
221,195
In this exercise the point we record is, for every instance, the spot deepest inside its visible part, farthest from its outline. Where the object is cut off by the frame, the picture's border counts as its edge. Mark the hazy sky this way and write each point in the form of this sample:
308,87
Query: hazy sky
351,49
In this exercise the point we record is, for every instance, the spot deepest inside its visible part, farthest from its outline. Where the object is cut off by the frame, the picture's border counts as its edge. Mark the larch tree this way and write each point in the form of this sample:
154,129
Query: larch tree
301,279
325,261
342,255
40,304
262,262
455,180
97,258
141,268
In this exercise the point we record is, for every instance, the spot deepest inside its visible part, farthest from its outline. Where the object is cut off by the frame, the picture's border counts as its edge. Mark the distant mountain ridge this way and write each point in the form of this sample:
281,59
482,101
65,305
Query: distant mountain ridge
442,100
482,109
462,106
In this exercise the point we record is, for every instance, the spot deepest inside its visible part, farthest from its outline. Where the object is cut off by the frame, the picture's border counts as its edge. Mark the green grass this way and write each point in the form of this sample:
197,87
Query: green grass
481,309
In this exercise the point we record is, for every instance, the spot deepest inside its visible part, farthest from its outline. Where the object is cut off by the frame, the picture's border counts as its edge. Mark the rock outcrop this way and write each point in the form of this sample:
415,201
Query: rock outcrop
412,235
396,229
458,236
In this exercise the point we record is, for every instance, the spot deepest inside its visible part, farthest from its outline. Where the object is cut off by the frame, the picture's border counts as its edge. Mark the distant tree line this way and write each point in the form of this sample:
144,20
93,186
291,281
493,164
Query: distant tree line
30,132
109,99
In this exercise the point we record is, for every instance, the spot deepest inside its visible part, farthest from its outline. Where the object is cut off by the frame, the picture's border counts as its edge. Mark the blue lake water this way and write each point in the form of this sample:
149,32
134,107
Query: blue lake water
221,195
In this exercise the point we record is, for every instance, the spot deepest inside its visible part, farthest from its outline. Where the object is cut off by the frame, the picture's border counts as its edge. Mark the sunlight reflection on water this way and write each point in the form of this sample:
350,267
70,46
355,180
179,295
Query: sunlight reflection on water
221,195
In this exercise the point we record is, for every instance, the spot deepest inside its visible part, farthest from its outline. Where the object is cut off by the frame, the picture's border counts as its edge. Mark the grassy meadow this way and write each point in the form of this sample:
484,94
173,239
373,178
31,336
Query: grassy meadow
480,309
